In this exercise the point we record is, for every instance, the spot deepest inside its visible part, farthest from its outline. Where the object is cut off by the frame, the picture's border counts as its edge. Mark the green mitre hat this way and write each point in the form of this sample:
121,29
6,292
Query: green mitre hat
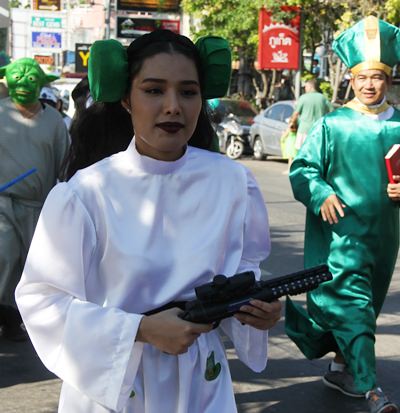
369,44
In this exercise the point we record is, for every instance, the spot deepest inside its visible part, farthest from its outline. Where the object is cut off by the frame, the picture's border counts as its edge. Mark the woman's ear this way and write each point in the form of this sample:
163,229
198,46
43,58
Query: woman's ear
126,104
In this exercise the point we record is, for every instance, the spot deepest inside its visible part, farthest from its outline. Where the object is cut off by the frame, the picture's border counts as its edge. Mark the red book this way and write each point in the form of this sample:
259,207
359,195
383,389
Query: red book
392,160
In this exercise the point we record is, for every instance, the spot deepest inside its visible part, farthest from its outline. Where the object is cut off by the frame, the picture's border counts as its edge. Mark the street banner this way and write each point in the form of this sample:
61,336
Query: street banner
82,57
131,28
48,5
152,5
46,40
278,43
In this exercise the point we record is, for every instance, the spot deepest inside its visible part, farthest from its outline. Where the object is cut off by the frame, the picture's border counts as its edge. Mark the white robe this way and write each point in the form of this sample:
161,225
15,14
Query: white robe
122,237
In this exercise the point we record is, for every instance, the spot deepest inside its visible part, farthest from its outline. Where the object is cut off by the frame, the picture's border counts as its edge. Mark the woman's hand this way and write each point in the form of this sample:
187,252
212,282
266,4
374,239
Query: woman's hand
169,333
331,205
393,190
259,314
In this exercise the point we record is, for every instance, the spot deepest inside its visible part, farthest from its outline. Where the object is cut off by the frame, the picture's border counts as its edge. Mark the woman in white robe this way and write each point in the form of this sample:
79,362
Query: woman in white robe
134,232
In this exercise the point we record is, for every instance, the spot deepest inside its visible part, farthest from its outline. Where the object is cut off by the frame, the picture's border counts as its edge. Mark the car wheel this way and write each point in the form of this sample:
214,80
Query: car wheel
258,150
235,149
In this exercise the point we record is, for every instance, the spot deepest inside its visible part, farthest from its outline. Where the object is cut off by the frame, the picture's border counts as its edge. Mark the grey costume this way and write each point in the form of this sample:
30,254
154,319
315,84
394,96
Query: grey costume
40,142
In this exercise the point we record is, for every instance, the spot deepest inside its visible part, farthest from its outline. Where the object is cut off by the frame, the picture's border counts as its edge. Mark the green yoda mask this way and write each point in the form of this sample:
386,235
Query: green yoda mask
24,79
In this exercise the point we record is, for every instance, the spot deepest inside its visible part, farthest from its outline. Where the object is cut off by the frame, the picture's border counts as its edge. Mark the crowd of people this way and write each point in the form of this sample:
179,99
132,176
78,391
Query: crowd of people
127,209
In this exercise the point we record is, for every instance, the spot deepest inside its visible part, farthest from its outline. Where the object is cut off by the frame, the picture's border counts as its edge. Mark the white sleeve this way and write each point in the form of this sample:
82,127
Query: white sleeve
90,347
251,345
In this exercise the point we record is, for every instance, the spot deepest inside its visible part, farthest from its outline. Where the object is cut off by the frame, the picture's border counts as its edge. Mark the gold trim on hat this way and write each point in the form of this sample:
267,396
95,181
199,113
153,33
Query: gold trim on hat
371,65
372,40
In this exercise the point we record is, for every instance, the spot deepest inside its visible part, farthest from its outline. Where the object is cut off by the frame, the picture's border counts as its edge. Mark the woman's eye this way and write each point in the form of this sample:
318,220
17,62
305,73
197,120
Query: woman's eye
153,91
190,92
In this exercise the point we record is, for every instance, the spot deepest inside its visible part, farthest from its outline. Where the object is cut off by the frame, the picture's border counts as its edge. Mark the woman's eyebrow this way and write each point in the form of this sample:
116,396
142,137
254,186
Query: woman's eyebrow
157,80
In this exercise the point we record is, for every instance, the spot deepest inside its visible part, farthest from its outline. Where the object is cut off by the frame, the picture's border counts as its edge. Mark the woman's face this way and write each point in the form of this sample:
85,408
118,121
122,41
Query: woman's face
165,103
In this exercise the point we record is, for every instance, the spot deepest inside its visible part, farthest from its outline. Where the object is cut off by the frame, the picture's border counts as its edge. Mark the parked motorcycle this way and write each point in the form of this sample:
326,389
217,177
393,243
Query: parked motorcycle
233,137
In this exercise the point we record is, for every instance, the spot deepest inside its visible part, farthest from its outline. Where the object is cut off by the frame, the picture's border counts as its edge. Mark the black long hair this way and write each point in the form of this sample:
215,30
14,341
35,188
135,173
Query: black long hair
106,128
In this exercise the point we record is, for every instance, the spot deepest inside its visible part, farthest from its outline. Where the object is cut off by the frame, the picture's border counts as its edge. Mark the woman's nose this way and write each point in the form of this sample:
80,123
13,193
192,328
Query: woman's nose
172,103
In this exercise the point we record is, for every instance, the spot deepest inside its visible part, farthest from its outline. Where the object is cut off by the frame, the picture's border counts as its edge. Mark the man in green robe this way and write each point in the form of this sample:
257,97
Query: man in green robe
352,224
32,136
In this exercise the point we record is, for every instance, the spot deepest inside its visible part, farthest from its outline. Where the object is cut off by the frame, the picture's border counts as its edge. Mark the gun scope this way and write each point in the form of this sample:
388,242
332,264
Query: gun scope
222,287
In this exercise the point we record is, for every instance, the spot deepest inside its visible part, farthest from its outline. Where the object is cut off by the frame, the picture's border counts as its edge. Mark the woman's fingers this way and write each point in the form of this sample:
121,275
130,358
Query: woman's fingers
260,314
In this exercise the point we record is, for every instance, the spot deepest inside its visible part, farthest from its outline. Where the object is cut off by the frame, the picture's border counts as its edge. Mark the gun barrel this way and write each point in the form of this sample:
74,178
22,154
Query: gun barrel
298,282
199,311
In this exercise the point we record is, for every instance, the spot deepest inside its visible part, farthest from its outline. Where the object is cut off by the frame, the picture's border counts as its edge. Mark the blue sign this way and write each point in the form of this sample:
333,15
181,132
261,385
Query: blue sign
46,40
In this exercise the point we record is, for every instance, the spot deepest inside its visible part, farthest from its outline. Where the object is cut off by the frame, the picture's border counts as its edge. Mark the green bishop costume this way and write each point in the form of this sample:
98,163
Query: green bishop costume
344,155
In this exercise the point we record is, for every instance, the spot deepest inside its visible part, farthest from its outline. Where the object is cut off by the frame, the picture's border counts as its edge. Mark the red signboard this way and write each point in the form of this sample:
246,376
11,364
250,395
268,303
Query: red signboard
44,59
279,43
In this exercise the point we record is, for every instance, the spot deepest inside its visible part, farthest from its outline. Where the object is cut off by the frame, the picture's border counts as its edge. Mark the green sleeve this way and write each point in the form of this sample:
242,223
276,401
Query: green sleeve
299,105
310,167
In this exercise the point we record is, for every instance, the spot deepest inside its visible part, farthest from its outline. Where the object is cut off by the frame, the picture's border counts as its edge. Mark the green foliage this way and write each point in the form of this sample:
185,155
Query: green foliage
392,8
322,20
322,85
306,76
326,89
15,4
235,20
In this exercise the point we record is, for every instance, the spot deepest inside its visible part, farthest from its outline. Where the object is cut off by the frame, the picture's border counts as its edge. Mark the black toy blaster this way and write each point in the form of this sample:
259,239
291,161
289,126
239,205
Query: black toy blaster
224,296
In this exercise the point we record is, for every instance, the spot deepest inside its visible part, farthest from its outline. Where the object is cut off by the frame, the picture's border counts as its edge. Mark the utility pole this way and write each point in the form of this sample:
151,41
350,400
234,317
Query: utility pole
107,7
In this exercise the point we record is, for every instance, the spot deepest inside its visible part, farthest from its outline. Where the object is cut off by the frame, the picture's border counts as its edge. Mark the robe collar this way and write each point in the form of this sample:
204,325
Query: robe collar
154,166
356,105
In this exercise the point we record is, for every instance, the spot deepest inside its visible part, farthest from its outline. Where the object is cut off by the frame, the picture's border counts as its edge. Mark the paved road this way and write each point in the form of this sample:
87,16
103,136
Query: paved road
290,384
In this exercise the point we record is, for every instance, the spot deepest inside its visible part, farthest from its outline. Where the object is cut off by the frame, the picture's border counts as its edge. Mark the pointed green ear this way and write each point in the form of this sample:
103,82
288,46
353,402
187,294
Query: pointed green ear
50,78
3,71
216,59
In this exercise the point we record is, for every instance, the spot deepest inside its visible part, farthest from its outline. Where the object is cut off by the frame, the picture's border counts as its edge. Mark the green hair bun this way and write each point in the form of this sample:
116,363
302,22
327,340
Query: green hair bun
215,55
107,70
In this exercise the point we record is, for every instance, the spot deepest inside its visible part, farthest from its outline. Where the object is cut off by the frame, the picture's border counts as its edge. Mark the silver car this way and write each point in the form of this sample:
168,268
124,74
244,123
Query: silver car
268,127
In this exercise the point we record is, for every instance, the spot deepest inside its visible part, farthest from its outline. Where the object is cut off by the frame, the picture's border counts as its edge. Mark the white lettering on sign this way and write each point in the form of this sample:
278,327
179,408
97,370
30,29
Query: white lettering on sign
280,40
280,57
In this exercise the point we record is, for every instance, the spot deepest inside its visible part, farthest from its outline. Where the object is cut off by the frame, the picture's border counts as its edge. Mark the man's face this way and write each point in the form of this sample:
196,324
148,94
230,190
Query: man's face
24,79
370,86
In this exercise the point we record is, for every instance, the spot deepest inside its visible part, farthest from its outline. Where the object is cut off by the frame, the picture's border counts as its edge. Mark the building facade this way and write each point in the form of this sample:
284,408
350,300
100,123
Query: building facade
59,33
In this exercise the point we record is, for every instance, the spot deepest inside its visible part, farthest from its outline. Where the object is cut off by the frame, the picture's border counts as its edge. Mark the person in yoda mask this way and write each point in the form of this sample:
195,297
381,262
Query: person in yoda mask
33,137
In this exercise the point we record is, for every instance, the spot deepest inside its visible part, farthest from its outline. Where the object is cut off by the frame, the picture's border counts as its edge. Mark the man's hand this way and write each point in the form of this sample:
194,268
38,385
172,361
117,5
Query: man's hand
331,205
393,190
259,314
169,333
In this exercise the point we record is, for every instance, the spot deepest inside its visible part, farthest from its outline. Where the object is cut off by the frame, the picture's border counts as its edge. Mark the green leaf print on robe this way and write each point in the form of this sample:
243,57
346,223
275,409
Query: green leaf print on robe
212,369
